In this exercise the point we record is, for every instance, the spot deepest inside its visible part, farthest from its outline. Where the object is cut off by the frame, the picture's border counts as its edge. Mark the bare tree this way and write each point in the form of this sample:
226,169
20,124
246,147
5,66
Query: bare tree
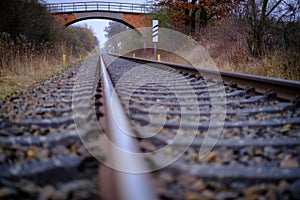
184,13
260,14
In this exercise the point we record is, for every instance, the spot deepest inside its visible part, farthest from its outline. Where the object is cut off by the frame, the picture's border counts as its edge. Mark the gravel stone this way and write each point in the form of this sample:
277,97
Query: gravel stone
257,135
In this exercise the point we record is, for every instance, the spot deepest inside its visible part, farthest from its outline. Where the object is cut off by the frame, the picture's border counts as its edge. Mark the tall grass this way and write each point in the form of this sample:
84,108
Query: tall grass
226,42
278,64
23,63
20,57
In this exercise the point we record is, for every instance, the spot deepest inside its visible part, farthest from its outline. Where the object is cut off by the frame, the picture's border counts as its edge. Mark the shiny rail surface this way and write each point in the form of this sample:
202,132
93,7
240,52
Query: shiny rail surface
100,6
125,184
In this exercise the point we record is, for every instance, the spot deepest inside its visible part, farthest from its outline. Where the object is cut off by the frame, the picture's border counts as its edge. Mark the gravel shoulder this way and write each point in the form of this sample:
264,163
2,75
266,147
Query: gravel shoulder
41,155
13,82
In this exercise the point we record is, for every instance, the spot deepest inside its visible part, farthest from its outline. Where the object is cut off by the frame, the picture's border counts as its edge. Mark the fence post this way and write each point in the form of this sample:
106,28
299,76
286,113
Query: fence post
64,59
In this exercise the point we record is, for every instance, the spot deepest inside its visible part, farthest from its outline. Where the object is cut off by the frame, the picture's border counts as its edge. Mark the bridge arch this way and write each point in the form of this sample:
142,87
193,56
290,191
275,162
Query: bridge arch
131,20
102,18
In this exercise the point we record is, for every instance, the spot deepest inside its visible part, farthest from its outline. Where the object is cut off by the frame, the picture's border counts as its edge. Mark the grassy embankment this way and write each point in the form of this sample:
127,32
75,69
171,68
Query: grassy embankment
12,82
22,65
226,43
277,64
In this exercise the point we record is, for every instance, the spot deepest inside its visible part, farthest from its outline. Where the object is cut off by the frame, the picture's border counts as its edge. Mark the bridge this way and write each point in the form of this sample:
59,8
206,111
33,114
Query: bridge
131,14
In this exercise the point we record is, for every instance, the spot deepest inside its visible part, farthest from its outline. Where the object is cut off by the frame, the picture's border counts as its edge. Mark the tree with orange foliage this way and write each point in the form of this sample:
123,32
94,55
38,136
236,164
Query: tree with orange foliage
186,14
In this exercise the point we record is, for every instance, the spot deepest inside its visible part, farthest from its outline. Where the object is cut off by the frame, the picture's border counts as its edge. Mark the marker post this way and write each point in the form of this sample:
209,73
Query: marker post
155,36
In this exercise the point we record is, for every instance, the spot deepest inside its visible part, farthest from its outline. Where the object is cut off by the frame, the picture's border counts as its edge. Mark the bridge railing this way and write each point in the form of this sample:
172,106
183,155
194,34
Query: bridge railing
100,6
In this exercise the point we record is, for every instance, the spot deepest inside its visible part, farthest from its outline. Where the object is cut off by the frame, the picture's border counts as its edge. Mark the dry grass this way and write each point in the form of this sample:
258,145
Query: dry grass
22,64
12,83
226,42
276,64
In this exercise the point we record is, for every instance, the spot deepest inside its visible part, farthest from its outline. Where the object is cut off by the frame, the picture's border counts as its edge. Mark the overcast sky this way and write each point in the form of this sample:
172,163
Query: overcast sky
97,25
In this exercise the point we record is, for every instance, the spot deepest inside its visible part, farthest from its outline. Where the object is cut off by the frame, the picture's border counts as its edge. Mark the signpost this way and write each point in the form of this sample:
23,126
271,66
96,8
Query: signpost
155,35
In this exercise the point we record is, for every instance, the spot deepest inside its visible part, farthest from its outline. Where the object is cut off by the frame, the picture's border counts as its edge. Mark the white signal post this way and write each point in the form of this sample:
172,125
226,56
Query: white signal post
155,35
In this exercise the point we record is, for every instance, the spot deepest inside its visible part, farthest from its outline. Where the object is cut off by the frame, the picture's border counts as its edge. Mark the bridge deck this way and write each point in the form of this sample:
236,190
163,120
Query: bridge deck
100,6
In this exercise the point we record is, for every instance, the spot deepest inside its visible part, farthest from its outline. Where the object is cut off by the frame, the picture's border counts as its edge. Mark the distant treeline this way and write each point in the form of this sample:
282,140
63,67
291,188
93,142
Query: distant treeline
27,28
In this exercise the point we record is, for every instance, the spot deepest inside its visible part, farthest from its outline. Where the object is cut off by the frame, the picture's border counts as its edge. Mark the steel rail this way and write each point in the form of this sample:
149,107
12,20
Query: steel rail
284,89
117,184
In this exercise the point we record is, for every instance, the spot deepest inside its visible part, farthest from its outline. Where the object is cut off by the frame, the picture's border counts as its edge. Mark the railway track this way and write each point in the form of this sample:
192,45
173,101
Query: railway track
257,153
255,156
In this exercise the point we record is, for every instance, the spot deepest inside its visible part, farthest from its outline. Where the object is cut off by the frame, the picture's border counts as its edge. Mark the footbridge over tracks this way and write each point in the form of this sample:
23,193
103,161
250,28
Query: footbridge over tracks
131,14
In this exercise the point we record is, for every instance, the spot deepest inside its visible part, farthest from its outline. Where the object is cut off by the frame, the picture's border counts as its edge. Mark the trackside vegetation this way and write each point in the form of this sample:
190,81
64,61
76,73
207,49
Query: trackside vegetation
32,43
247,36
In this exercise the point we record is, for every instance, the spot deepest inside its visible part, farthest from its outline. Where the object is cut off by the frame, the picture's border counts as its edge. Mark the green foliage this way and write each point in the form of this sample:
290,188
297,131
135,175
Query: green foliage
30,18
162,16
29,33
114,28
80,38
111,32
